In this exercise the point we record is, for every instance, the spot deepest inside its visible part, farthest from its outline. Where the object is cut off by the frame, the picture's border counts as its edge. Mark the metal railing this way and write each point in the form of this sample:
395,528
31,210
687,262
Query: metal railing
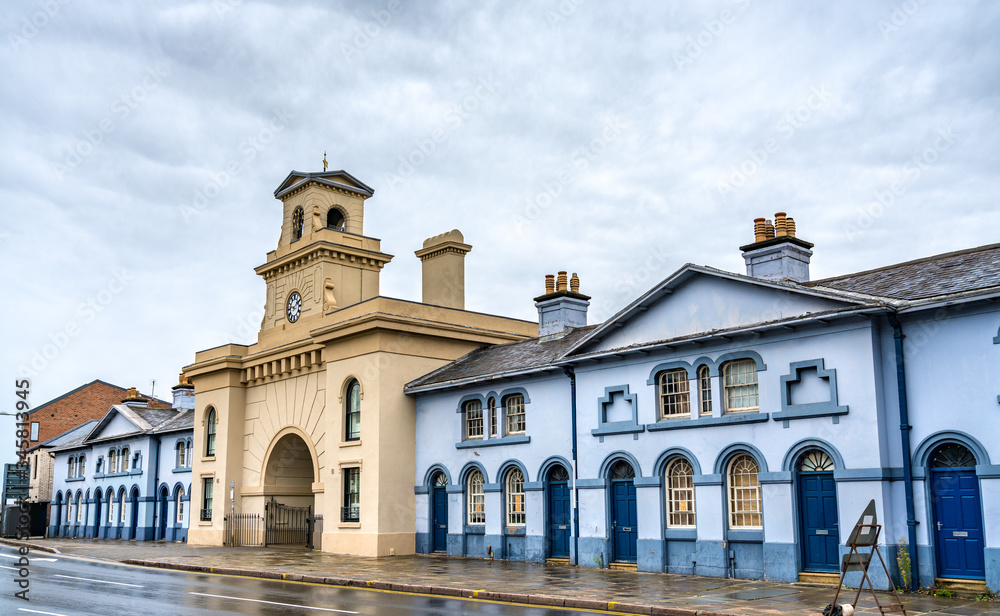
244,530
286,524
206,515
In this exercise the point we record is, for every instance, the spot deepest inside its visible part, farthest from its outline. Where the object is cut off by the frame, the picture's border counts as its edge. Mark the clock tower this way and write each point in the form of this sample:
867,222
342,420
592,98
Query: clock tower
313,415
323,261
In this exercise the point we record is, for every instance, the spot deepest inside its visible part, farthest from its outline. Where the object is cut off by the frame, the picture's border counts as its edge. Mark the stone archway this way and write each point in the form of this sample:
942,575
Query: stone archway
288,478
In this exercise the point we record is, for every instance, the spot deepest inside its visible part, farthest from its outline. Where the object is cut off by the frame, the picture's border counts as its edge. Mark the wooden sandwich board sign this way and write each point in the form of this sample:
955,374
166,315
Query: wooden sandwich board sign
865,535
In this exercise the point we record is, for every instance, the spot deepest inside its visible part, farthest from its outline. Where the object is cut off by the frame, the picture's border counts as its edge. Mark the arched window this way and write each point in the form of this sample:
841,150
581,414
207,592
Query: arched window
181,454
953,455
79,510
112,461
335,219
111,507
675,399
515,498
180,506
121,506
188,453
745,507
123,459
82,467
705,390
69,469
492,406
476,499
740,384
815,461
297,220
210,433
473,419
680,494
514,405
352,411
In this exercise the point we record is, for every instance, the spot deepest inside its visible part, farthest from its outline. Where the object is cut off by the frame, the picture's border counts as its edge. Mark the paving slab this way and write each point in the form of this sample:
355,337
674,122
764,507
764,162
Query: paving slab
531,583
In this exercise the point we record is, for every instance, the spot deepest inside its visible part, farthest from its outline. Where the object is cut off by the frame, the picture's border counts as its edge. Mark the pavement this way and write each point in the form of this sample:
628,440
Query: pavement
555,585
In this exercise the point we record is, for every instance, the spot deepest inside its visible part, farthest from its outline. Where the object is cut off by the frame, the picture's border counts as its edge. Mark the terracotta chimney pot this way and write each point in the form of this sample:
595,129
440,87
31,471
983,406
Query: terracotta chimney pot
561,282
550,283
574,283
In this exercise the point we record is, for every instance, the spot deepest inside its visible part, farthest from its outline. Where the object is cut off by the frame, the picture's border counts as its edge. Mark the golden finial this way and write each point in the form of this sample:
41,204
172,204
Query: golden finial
324,160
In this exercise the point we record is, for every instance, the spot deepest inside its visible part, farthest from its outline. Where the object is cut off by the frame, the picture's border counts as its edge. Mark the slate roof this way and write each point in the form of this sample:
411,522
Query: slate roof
183,421
155,417
963,271
501,359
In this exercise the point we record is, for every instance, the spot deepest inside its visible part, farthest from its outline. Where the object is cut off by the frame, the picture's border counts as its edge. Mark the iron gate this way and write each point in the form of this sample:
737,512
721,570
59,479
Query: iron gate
244,530
286,524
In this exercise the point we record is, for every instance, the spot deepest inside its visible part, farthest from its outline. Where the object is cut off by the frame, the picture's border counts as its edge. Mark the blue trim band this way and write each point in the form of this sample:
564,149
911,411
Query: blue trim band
493,442
705,422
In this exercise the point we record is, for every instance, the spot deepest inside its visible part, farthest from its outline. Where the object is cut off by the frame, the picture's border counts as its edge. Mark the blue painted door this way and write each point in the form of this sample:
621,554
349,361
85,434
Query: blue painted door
624,521
559,519
820,533
958,524
439,533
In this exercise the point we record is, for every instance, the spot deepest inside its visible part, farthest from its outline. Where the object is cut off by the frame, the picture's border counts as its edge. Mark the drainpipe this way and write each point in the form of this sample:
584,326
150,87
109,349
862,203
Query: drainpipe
904,434
576,491
156,488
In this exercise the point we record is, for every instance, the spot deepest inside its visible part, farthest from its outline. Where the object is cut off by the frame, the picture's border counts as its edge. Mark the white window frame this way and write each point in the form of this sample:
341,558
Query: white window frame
705,390
121,506
515,498
211,421
79,511
111,507
123,459
679,480
492,406
81,463
34,431
514,414
473,420
746,509
475,499
181,454
675,393
739,386
180,506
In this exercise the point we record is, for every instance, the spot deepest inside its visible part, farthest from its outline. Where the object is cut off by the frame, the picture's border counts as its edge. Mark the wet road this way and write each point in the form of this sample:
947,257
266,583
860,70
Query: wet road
70,586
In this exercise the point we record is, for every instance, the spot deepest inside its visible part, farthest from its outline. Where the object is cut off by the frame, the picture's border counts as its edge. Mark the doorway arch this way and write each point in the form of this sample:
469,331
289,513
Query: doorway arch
818,514
957,523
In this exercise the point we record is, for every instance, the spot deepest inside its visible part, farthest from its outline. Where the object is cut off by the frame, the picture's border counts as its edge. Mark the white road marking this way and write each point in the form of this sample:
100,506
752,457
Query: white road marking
11,568
70,577
51,560
21,609
304,607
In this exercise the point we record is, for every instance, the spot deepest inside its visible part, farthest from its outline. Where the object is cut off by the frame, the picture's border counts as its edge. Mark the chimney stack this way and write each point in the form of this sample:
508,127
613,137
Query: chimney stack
183,393
134,399
443,258
561,309
776,254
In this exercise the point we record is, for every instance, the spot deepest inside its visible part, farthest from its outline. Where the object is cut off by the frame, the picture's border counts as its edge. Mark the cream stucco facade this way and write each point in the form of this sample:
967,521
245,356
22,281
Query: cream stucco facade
281,404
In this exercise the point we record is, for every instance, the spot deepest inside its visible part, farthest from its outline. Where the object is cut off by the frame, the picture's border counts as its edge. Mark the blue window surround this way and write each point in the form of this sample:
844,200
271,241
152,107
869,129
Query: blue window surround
476,443
606,428
707,421
827,408
69,479
182,469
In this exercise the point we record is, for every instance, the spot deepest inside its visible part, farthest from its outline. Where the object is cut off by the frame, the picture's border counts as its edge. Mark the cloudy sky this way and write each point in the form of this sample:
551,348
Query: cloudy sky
143,143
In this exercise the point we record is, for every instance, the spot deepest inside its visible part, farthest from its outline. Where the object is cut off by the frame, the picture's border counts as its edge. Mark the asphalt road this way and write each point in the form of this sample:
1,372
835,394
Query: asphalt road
72,586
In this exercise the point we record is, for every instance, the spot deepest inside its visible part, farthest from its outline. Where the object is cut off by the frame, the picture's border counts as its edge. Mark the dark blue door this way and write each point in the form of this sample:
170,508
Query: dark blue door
624,521
958,524
820,534
559,519
439,532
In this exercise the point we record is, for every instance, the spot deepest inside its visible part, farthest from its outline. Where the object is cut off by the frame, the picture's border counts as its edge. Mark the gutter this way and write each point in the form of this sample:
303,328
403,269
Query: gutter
575,556
904,436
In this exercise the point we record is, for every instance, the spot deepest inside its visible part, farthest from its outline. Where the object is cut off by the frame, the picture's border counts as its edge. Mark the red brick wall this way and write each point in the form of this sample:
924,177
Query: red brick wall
91,401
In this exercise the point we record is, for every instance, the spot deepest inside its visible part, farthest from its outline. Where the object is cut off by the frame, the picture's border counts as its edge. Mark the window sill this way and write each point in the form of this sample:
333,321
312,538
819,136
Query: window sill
743,417
181,470
618,427
204,522
493,442
806,411
208,458
356,443
349,525
71,479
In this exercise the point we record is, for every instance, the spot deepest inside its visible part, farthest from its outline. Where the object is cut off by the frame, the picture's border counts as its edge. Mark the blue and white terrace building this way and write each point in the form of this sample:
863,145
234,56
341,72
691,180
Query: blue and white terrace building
730,425
129,476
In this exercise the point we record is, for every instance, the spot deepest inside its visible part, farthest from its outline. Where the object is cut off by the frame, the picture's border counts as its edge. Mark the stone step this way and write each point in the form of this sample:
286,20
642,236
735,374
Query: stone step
826,579
961,585
623,566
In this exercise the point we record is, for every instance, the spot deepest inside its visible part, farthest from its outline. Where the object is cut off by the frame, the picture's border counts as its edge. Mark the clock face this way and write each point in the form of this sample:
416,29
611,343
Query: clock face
294,307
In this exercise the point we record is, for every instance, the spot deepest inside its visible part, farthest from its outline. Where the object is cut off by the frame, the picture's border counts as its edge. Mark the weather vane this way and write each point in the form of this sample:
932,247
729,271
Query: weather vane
324,160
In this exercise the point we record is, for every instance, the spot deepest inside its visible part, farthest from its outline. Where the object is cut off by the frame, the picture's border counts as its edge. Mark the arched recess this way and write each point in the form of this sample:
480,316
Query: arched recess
795,452
291,465
660,467
921,456
543,470
614,457
432,473
472,466
722,461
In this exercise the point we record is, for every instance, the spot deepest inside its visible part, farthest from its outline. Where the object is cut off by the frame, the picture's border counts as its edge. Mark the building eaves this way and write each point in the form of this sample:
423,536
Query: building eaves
67,436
